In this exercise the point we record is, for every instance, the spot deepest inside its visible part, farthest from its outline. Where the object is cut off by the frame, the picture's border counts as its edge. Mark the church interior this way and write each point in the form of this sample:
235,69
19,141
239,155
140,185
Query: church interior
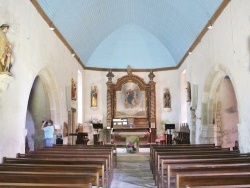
128,82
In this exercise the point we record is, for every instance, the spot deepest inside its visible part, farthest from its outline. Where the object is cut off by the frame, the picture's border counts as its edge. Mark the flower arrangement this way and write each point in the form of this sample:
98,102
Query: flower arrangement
132,147
95,121
131,125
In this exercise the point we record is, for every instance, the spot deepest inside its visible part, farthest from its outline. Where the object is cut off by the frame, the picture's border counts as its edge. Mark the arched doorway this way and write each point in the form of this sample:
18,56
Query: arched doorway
43,104
219,109
226,115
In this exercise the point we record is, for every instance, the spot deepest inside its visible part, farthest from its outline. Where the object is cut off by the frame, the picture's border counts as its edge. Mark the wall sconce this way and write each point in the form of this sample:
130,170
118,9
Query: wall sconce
210,25
51,27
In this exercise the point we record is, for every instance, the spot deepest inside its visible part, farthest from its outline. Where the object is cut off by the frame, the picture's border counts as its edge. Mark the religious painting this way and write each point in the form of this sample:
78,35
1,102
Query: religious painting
73,89
94,95
130,101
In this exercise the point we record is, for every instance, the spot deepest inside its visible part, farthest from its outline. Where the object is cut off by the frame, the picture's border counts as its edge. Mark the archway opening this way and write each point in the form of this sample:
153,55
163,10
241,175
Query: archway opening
226,114
38,110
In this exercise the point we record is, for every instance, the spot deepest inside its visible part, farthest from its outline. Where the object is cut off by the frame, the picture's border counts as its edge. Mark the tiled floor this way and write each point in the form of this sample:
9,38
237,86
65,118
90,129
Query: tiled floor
132,173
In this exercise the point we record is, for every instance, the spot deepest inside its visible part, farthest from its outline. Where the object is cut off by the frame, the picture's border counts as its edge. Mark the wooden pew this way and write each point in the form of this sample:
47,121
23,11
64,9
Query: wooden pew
187,151
159,170
173,170
99,153
212,179
73,157
111,146
166,154
212,161
155,146
57,168
49,177
61,161
154,151
43,185
85,149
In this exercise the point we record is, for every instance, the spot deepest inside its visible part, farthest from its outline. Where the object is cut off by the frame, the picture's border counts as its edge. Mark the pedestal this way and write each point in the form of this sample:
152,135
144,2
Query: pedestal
169,138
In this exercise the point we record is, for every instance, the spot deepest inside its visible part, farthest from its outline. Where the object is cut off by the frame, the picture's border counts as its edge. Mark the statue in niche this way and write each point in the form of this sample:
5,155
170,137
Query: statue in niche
94,94
6,58
167,99
188,92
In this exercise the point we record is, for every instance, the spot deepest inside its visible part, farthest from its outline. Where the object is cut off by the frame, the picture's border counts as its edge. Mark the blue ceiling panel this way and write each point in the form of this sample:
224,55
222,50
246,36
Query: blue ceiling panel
89,26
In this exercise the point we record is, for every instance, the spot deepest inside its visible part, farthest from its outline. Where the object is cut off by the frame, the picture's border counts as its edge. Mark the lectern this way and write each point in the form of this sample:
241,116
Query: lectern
81,137
169,136
97,127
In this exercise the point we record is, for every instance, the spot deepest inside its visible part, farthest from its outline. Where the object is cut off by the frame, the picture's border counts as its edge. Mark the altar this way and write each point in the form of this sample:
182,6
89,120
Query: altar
131,109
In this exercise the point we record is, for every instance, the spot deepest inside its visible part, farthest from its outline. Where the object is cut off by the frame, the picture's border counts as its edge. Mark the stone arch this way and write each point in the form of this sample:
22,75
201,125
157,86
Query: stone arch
211,106
43,103
51,87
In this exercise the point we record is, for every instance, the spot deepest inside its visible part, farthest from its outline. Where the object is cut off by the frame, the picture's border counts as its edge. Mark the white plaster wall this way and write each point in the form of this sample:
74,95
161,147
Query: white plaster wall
228,43
36,48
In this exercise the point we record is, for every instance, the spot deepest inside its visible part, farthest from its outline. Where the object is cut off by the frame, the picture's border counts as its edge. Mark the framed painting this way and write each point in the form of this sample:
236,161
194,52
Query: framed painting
130,101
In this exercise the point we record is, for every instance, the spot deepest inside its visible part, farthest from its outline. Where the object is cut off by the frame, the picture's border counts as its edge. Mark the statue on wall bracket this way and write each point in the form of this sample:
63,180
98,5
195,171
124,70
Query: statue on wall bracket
167,100
6,58
73,90
94,96
188,92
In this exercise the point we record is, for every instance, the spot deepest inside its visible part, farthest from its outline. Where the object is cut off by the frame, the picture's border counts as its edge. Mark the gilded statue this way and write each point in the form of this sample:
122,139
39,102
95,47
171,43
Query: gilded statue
6,58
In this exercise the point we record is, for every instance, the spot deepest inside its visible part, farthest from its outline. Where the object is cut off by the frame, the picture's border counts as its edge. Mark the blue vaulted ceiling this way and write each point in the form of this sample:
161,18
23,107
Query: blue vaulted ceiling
145,34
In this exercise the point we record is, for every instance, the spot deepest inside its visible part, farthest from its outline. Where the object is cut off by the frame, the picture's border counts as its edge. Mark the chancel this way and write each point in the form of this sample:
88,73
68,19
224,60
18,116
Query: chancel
124,70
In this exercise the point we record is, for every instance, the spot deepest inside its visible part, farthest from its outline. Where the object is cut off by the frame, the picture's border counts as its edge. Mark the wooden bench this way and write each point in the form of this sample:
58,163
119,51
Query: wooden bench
73,157
43,185
49,177
182,153
111,146
190,155
179,169
86,149
155,146
212,179
158,172
57,168
198,151
212,161
62,161
154,151
100,153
